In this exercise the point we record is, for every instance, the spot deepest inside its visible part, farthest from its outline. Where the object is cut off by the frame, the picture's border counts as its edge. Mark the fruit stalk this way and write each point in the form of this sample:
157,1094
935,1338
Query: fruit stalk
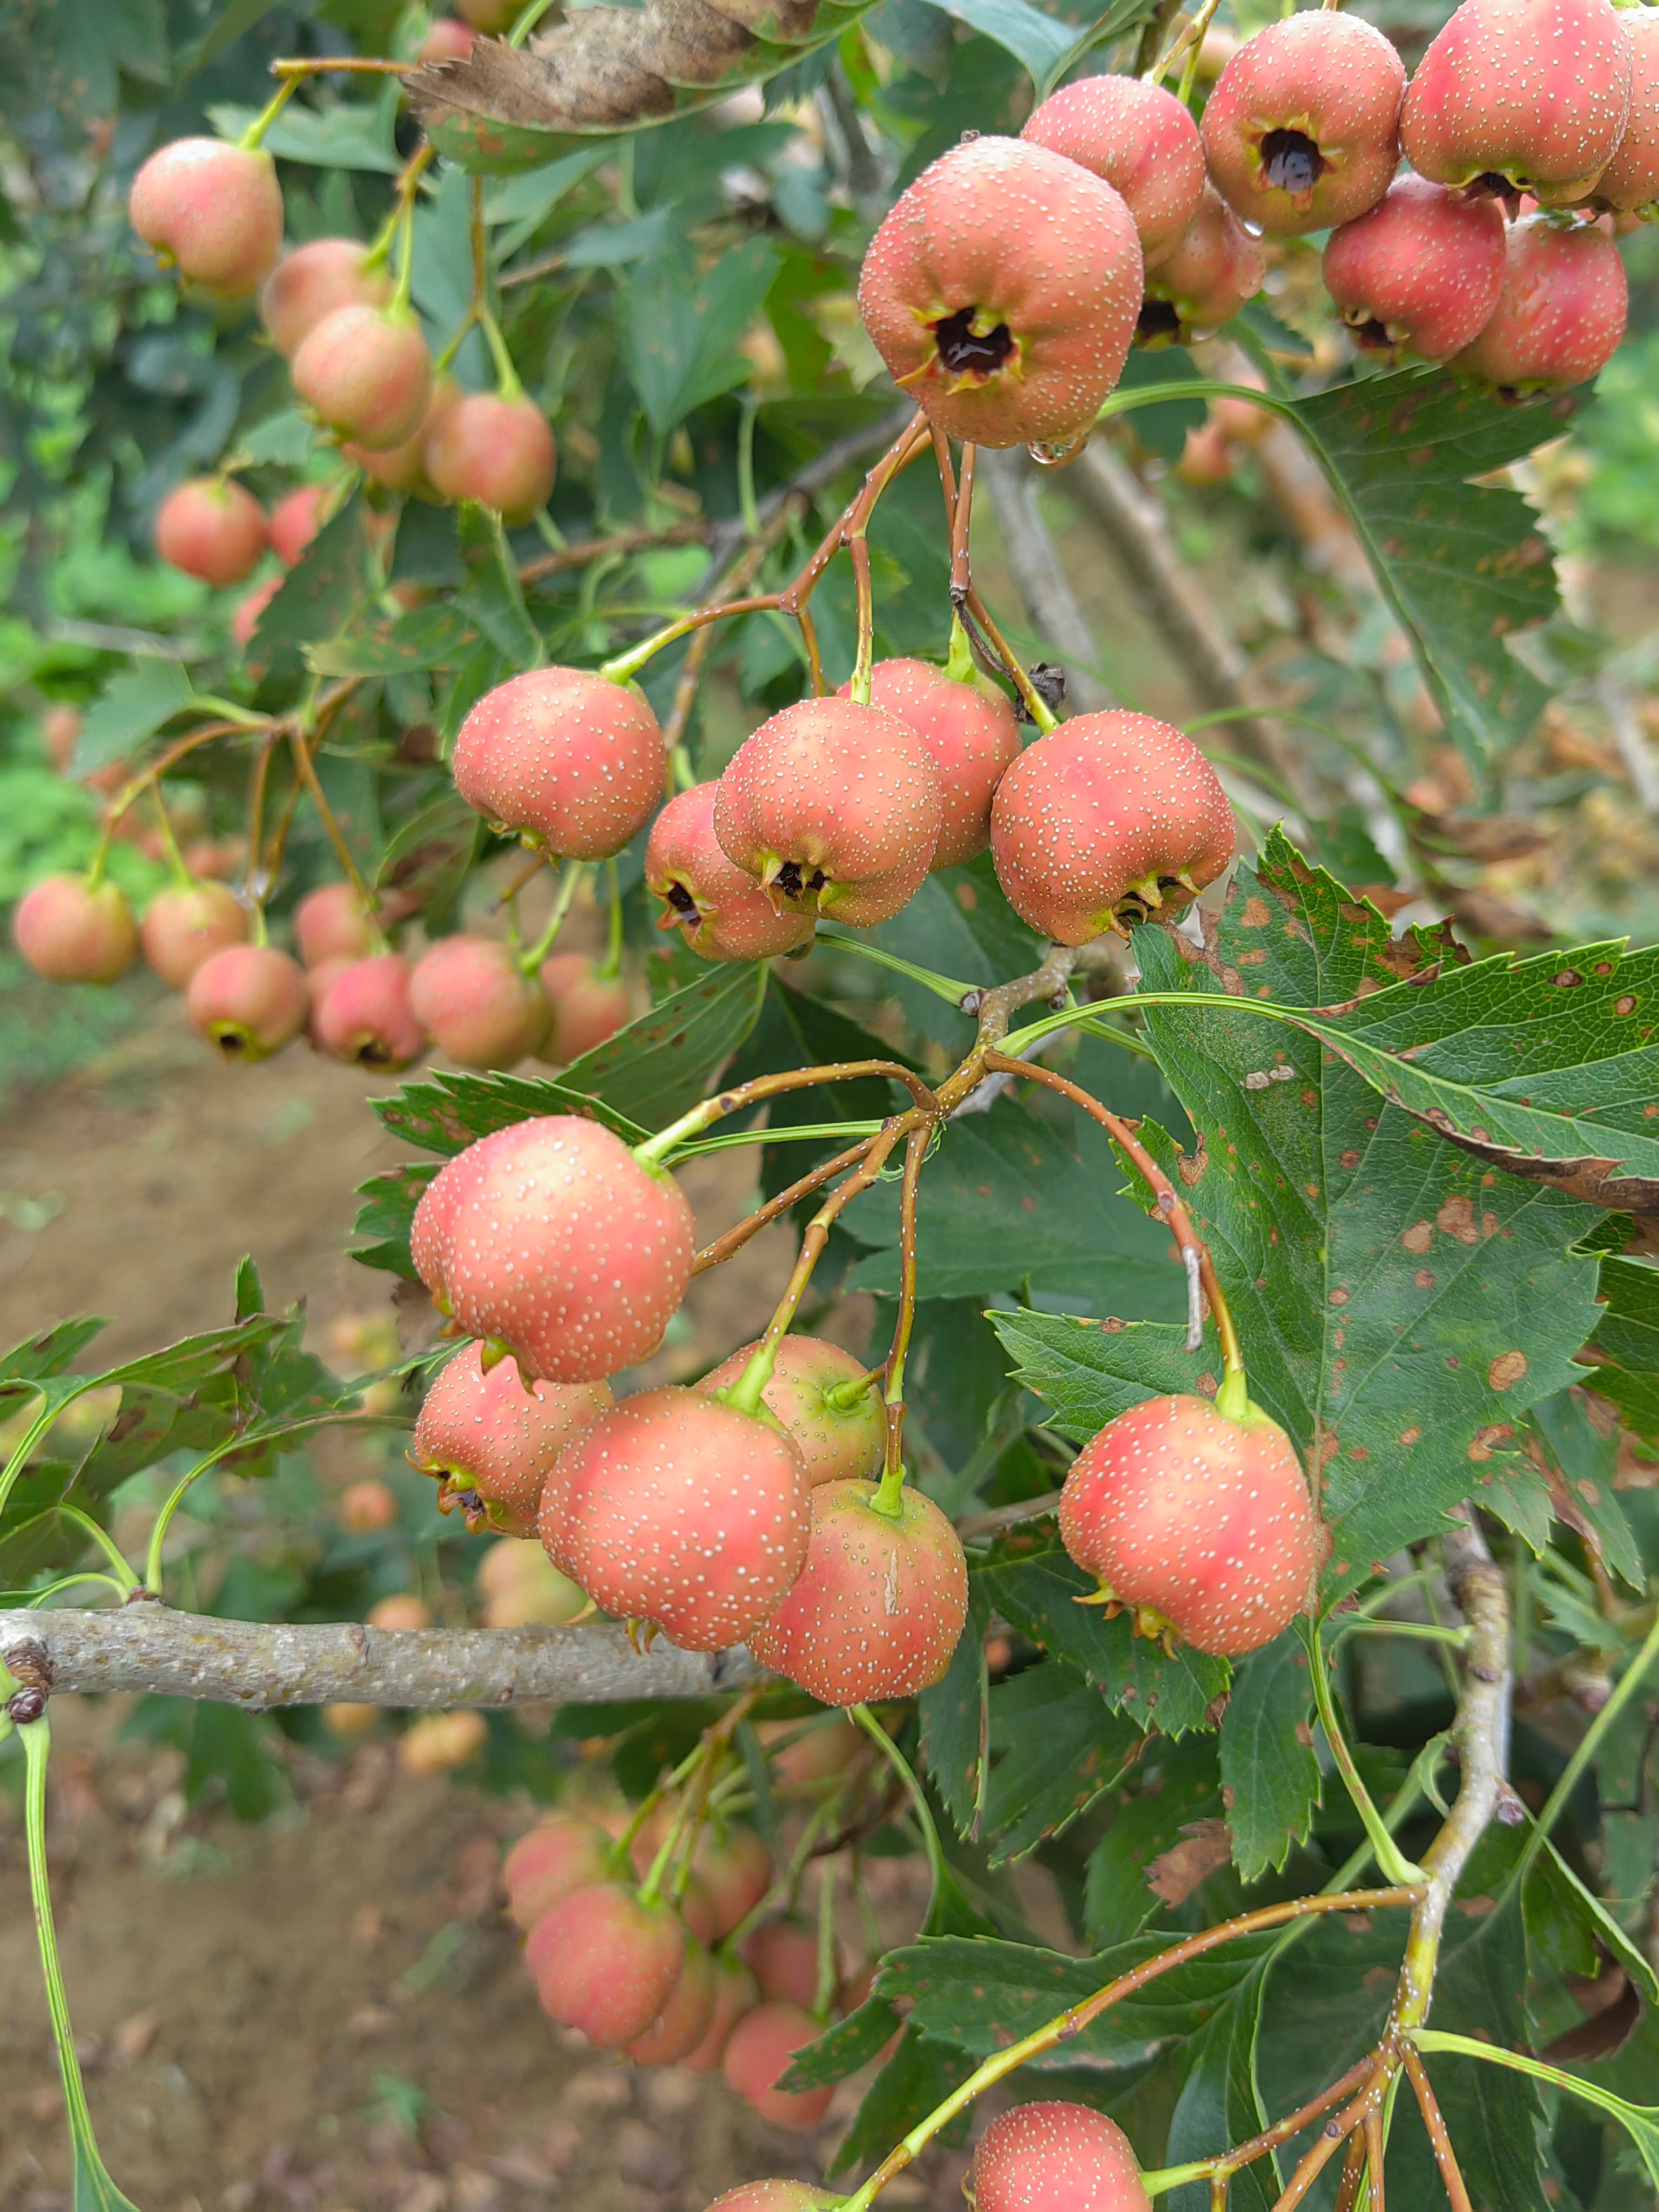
306,766
886,1499
736,1237
655,1150
969,604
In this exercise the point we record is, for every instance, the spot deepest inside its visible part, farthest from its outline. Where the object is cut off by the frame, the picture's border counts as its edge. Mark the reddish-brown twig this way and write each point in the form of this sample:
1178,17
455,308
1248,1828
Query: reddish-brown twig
1434,2120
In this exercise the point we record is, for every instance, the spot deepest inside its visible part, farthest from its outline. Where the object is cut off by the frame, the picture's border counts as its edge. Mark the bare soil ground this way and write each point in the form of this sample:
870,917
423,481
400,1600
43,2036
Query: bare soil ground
325,2013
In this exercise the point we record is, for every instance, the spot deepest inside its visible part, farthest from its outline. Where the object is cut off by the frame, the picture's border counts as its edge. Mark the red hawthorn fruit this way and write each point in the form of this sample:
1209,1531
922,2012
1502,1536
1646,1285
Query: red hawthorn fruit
722,913
519,1587
822,1753
245,620
364,1015
680,2027
1136,136
447,41
835,808
399,1613
677,1510
552,1861
73,933
1303,128
819,1394
1205,278
735,1994
214,210
968,732
493,1434
401,467
588,1006
365,1508
311,282
498,452
247,1001
296,520
1420,274
181,928
758,2055
1207,457
1109,818
782,1954
60,734
365,373
1054,2158
211,527
566,758
1197,1522
775,2196
878,1606
551,1238
476,1002
735,1868
606,1963
1001,292
1631,179
1520,96
1561,313
330,924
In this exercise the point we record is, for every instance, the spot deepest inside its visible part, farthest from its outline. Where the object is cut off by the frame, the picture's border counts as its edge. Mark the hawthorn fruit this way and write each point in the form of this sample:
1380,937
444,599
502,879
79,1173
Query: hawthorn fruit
1204,279
1109,818
330,924
586,1006
1199,1523
309,283
968,732
571,761
72,933
606,1963
490,1433
477,1004
498,452
521,1588
1051,2157
1420,275
775,2196
1136,136
296,520
365,373
1631,179
214,211
247,1001
365,1015
719,910
879,1604
211,528
1561,313
820,1394
181,928
1001,291
688,2011
735,1994
782,1954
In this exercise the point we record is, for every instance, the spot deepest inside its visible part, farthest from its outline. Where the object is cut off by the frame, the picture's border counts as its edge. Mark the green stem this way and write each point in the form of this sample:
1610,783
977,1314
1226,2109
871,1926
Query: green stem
611,967
105,1543
94,2185
942,986
747,509
527,21
1197,388
655,1150
1392,1863
1465,2046
181,875
824,1996
730,1140
23,1449
573,871
1588,1744
906,1774
508,383
1427,1631
253,137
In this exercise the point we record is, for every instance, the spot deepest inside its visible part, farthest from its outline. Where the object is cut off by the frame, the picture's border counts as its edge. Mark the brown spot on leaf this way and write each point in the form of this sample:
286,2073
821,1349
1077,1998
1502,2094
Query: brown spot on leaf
1506,1371
1418,1236
1205,1847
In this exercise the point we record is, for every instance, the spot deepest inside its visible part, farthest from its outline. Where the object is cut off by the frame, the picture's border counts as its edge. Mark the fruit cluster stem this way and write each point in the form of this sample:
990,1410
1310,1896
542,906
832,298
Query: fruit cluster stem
306,766
965,601
886,1499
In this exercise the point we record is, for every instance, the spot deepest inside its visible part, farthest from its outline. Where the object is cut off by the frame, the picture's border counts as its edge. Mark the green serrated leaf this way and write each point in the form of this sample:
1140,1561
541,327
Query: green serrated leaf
492,598
920,2073
1625,1345
954,1720
664,1062
132,706
1584,1461
384,645
1176,1785
679,338
1461,566
446,1112
1171,1692
1268,1771
843,2049
1057,1746
319,596
1037,42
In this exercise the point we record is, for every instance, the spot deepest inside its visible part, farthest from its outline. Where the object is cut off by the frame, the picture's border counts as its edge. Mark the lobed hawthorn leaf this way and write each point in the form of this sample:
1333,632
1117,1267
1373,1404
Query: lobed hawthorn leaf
1057,1746
1219,2102
955,1719
385,645
1400,1307
1269,1774
447,1112
492,598
1175,1785
316,599
1626,1345
843,2049
1581,1461
920,2073
1035,1587
1463,565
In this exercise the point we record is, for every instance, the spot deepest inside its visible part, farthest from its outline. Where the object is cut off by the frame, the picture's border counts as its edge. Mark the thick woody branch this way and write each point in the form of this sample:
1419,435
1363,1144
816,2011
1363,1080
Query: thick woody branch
257,1664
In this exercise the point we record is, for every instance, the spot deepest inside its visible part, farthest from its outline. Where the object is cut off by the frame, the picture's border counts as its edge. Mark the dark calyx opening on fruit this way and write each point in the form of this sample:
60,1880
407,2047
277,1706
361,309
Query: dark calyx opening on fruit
682,901
1157,320
1291,162
373,1052
794,883
1495,186
968,352
1372,337
231,1039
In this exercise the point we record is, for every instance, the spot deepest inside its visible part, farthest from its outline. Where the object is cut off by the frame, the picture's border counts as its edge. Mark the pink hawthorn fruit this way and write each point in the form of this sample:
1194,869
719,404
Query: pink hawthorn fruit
588,1006
1139,139
519,1587
296,520
498,452
551,1861
1420,274
1520,96
448,40
758,2053
247,1001
476,1002
181,928
820,1393
735,1994
1198,1522
775,2196
365,372
1109,818
401,467
311,282
720,909
968,731
550,1237
1001,292
1303,128
1561,313
493,1435
687,2012
1204,279
60,734
330,924
735,1868
245,620
782,1954
566,758
1631,179
214,210
606,1963
211,528
835,808
72,932
1051,2157
879,1605
677,1510
365,1016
